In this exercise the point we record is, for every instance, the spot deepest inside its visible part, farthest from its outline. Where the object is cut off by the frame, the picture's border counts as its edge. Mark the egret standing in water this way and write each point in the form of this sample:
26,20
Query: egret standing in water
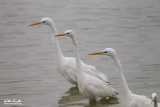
67,65
91,87
128,98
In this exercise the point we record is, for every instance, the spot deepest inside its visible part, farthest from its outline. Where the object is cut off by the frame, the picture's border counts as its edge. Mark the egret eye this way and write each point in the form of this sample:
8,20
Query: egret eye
44,22
67,33
105,52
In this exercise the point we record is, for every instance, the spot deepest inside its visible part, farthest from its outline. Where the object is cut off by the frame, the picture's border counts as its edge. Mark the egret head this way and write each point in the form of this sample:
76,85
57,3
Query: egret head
44,20
68,33
107,51
154,97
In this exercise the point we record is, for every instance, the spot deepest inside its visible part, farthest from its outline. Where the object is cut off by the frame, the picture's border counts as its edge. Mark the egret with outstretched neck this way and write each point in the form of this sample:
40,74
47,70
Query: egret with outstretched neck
128,98
91,87
67,65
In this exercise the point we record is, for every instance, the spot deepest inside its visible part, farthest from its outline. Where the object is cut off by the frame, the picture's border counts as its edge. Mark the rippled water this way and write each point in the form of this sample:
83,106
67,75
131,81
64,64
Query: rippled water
27,68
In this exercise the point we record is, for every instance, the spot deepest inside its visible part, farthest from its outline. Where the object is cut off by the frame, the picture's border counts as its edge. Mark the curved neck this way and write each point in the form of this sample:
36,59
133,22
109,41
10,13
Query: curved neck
58,53
123,84
78,61
155,103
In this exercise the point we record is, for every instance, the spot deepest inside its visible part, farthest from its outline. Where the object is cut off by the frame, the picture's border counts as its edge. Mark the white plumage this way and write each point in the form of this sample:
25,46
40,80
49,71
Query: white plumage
90,86
128,98
67,65
68,69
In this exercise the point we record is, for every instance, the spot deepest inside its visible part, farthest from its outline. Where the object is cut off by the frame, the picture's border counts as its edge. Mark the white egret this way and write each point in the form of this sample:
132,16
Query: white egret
154,100
67,65
90,86
62,63
128,98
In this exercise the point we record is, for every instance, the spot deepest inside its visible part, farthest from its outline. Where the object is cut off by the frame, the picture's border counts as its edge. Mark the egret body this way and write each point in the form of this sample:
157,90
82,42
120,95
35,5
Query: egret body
128,98
90,86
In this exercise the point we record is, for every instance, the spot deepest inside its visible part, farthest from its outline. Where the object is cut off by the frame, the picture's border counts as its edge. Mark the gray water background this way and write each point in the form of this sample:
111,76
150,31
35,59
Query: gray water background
27,67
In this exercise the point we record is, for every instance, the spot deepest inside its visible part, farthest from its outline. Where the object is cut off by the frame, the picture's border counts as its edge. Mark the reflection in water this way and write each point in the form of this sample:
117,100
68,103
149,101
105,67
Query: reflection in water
105,103
74,98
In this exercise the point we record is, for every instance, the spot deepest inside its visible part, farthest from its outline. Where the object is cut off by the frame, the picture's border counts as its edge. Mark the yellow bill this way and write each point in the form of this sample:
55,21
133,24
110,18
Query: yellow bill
62,34
95,53
35,23
152,100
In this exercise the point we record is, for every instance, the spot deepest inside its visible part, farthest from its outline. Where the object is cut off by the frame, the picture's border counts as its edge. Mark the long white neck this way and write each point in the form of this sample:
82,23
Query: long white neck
79,71
125,92
58,53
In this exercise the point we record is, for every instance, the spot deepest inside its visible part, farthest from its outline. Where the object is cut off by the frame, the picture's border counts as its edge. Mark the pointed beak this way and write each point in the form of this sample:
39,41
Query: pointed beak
37,23
62,34
95,53
152,100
